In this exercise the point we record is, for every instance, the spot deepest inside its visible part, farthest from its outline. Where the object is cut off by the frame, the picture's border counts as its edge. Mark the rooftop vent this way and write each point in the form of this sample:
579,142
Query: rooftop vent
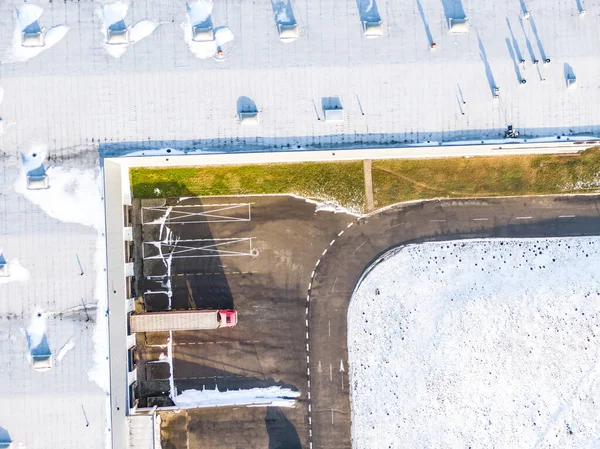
202,34
33,39
373,29
37,182
117,37
288,32
459,26
250,118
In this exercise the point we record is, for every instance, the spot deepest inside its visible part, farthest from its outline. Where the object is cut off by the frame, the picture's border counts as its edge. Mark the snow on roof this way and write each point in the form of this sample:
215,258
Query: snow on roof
408,92
51,396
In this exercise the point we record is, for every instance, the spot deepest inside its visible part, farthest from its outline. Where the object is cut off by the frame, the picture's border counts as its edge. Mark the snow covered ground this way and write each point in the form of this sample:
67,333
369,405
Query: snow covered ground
53,242
480,343
394,89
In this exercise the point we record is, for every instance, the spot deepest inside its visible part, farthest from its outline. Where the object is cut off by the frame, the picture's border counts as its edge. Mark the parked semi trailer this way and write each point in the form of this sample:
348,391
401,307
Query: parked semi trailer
182,320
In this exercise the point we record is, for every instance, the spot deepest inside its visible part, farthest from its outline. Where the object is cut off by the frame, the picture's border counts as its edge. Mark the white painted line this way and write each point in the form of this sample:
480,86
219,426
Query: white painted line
330,328
307,347
308,383
309,285
332,416
480,219
566,216
307,359
306,323
309,395
324,252
308,372
437,221
332,242
310,423
309,430
523,218
307,298
309,409
312,274
318,262
307,310
330,373
340,233
307,337
350,224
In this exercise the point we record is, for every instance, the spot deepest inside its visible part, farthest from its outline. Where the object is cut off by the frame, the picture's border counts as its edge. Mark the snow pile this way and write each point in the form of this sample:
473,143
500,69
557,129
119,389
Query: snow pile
27,19
270,396
113,18
198,13
17,273
480,343
75,195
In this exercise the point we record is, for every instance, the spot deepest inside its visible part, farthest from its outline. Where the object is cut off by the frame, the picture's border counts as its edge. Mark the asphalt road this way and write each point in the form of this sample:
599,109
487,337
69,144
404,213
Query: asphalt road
254,254
290,273
337,272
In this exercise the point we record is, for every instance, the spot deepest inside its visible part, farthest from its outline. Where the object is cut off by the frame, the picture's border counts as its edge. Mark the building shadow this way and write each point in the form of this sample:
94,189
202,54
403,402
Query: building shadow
453,9
282,433
5,440
246,104
368,11
283,13
425,24
486,63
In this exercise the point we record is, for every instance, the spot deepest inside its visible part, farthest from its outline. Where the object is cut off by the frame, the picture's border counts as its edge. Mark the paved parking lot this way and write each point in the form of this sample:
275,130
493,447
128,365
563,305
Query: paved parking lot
254,254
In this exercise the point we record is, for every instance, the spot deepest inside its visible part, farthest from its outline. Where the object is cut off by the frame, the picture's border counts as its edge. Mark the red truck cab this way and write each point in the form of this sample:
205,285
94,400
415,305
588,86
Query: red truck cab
227,318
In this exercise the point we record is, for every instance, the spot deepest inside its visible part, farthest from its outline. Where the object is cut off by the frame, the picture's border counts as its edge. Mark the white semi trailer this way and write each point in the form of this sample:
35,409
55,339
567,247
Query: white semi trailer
182,320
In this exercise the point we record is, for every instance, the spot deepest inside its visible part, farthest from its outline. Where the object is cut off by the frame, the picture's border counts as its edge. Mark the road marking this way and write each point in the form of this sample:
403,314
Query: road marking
307,310
200,248
306,323
330,328
359,246
395,226
212,213
333,286
307,348
308,298
437,221
331,416
320,368
312,274
307,359
318,262
309,285
340,233
480,219
307,337
324,252
523,218
350,224
332,242
566,216
330,373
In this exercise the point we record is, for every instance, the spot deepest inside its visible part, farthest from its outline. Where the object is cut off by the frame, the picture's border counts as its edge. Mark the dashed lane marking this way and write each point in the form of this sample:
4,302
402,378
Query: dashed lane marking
480,219
523,218
566,216
437,221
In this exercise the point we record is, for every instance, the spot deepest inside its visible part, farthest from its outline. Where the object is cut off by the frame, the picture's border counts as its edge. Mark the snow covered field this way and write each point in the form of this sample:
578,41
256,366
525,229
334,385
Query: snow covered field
479,343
